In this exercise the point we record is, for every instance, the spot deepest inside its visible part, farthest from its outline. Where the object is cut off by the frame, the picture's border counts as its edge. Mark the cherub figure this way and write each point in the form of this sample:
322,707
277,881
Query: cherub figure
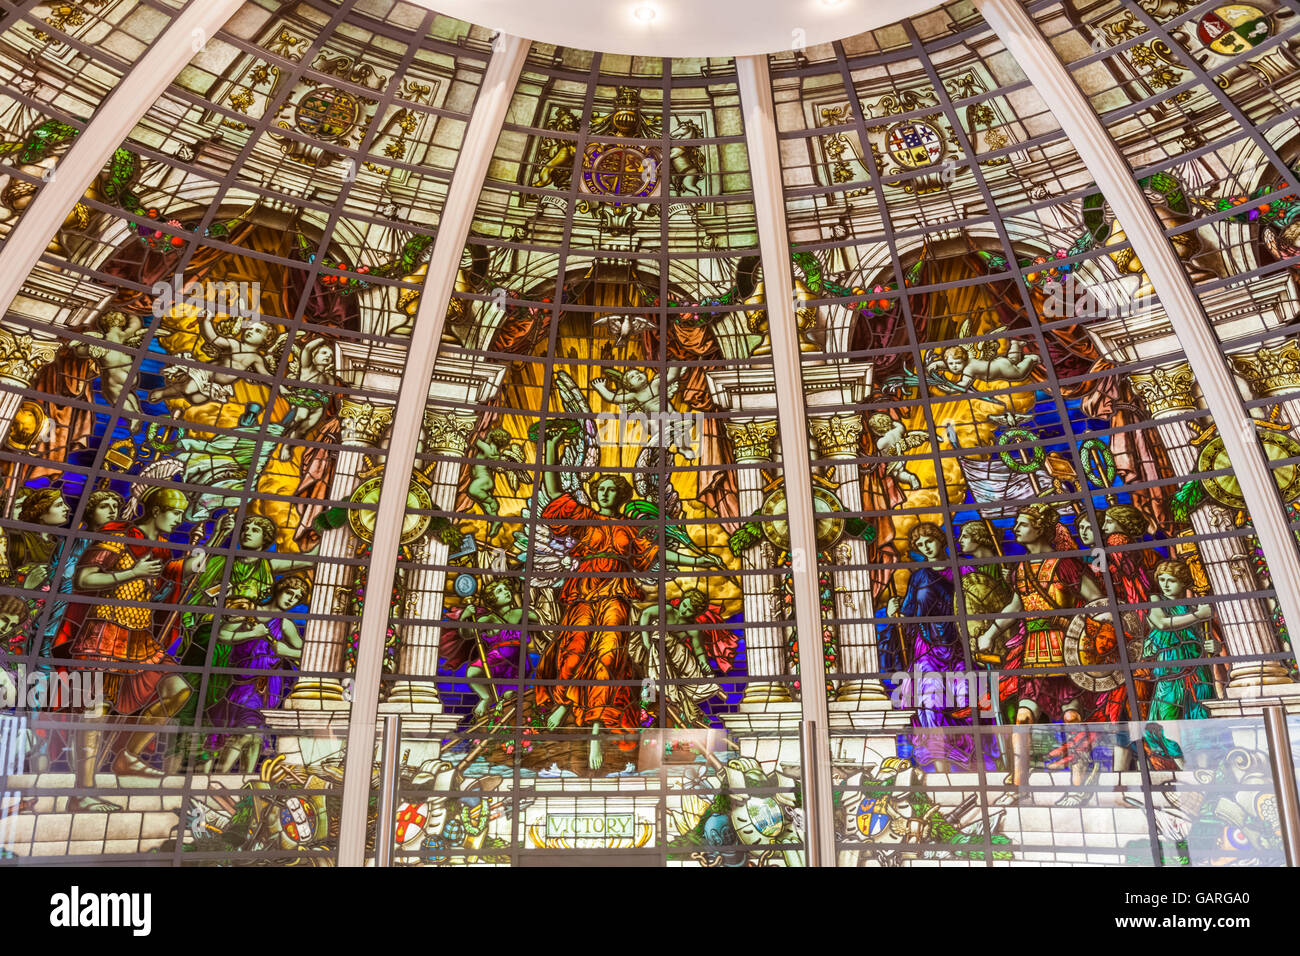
496,445
981,361
244,350
635,391
894,438
310,364
114,365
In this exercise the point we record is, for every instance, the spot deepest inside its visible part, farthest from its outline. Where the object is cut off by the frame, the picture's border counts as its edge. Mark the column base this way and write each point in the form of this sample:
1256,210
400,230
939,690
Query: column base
1249,700
864,691
1245,679
418,696
307,738
422,731
760,694
768,733
317,693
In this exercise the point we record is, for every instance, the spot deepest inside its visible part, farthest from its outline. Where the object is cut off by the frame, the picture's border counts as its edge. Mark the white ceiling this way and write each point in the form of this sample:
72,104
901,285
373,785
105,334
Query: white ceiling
683,27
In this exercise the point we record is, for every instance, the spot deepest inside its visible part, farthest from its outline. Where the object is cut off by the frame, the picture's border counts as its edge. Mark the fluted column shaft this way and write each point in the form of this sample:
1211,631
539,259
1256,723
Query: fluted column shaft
1247,622
837,440
323,642
751,443
445,433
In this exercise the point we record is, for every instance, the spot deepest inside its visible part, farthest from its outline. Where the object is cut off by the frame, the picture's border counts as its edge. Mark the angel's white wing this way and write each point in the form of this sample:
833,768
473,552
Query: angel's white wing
989,348
582,457
549,553
914,439
277,349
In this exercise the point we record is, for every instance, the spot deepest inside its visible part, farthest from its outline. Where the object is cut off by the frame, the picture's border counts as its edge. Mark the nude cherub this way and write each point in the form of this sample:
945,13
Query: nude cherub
894,438
243,351
114,365
496,445
981,361
635,390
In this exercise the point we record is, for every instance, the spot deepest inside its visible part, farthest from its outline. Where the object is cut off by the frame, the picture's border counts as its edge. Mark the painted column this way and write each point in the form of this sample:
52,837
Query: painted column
837,440
751,443
1247,623
444,433
363,429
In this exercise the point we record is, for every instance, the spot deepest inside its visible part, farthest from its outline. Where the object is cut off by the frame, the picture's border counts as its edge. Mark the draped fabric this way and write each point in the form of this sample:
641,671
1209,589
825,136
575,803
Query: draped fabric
691,340
941,315
1139,456
311,469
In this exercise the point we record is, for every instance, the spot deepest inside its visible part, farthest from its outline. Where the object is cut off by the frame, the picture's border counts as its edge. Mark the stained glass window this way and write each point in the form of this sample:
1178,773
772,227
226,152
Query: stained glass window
1040,607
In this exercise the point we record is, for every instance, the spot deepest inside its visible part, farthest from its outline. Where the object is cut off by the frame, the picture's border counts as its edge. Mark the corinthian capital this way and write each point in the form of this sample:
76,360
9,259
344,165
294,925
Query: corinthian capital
752,440
1166,390
363,423
447,433
836,435
1270,371
22,356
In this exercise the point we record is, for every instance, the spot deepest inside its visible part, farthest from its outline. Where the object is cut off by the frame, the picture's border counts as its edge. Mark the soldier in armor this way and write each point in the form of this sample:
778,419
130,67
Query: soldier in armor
131,567
1044,585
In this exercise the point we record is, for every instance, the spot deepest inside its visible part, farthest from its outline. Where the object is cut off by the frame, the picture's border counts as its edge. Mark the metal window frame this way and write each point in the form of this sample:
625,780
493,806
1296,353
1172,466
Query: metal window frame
477,148
1114,177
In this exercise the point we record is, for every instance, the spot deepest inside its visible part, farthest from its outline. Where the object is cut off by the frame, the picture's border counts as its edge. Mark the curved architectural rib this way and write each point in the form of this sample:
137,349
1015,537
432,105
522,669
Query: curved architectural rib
111,125
796,466
462,196
1055,85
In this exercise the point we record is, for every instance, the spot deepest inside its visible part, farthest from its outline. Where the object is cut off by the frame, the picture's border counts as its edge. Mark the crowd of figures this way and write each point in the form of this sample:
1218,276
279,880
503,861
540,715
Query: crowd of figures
123,599
1029,614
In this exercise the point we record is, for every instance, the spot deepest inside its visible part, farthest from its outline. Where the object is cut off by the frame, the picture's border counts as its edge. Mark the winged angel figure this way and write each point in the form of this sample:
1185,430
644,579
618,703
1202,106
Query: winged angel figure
980,361
552,560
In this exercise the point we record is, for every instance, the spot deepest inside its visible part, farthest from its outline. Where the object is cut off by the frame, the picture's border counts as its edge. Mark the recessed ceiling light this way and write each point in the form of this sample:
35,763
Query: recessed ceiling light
645,12
832,3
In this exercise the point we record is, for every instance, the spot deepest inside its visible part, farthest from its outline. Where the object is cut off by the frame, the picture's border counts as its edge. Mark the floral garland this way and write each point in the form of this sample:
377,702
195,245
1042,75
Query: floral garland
830,644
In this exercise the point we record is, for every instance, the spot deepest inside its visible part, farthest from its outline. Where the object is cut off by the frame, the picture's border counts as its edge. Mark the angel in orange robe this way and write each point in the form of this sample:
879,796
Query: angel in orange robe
597,598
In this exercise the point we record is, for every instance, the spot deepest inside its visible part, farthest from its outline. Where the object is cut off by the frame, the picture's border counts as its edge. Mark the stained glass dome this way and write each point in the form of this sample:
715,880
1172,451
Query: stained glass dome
422,445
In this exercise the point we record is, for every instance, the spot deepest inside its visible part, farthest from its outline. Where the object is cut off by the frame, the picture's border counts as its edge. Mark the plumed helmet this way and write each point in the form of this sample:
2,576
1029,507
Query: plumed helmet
163,498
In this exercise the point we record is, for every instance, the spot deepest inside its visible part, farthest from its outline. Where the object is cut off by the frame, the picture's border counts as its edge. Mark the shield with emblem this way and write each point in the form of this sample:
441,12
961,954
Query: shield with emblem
1096,614
409,829
763,815
298,821
873,816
